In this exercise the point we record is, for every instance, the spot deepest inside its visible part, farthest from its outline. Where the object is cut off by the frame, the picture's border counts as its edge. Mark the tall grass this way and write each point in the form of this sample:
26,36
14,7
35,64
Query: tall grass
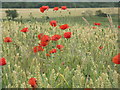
85,65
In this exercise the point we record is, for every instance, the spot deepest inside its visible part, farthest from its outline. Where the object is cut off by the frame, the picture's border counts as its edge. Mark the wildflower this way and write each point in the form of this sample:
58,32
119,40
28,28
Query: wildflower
26,89
97,24
63,7
116,59
87,89
94,27
63,27
55,8
67,35
53,23
118,26
53,51
101,47
45,38
7,39
37,48
59,46
32,82
24,30
48,55
62,63
43,44
40,36
43,8
55,37
2,61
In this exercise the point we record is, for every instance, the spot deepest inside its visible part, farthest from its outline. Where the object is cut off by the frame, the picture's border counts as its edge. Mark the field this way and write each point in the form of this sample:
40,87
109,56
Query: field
84,62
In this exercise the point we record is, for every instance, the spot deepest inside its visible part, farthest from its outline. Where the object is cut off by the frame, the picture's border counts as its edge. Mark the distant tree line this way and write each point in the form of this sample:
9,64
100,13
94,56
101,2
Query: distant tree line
58,4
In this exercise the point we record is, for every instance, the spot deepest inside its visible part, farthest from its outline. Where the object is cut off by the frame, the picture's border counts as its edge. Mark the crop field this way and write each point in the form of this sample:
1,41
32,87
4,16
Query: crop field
81,55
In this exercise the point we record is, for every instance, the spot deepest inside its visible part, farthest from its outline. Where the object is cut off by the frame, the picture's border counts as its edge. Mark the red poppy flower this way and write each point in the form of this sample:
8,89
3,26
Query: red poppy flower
63,7
37,48
94,27
33,82
63,63
53,23
48,55
26,89
59,46
43,44
100,47
45,7
42,10
56,8
87,89
24,30
55,37
118,26
67,35
53,51
2,61
7,39
45,38
40,36
97,24
63,27
116,59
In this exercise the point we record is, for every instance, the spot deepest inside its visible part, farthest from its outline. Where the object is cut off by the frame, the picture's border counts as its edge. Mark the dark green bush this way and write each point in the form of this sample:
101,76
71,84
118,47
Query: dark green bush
11,14
101,14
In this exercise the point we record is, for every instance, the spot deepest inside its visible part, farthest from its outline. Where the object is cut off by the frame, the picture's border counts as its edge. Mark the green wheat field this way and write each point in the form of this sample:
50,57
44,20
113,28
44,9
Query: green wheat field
81,63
